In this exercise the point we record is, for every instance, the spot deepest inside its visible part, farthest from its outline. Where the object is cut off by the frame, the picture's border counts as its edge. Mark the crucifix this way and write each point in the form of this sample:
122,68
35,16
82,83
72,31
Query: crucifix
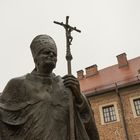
69,39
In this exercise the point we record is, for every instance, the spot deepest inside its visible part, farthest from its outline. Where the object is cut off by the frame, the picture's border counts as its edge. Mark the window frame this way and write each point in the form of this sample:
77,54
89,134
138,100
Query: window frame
109,113
133,106
137,106
102,114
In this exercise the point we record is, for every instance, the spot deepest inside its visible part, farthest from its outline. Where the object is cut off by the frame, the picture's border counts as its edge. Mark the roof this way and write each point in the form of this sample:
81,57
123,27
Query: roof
107,77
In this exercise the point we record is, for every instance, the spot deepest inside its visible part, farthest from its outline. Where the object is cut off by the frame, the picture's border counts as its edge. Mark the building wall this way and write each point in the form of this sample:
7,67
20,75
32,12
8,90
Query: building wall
132,121
115,130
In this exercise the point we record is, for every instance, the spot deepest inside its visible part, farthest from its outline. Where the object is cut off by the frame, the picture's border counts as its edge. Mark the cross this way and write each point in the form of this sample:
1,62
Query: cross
69,39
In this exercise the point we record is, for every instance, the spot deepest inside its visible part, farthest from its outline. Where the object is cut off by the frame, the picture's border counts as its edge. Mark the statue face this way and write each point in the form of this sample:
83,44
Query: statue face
46,58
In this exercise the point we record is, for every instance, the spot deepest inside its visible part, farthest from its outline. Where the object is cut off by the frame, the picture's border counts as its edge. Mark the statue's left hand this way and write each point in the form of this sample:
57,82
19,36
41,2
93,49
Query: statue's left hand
72,83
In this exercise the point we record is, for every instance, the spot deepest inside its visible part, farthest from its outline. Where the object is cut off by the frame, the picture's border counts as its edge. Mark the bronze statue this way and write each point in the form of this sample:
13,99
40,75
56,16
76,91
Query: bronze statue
36,106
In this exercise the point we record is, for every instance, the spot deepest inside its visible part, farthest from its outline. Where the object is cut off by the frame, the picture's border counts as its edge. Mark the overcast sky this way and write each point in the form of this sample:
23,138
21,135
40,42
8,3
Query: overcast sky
109,28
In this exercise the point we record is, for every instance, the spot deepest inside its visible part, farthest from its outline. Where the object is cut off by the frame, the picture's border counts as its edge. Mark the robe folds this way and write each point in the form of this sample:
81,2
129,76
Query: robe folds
33,107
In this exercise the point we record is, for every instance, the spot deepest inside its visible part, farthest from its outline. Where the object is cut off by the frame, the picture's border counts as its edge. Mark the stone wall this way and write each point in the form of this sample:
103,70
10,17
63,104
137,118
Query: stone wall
115,130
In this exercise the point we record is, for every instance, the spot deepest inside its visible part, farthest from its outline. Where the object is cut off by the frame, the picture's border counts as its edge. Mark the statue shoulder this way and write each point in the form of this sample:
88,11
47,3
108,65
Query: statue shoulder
13,88
17,79
15,82
15,95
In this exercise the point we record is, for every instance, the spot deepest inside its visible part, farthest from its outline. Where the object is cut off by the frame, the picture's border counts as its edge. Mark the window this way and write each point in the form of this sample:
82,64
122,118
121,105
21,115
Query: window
137,106
109,114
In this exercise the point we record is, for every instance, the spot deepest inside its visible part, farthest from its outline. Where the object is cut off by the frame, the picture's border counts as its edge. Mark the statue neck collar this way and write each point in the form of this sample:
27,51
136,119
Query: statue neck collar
43,78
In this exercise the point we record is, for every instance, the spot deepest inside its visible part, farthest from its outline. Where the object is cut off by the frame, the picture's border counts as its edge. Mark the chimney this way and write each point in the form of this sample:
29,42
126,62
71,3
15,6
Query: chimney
91,70
122,60
80,74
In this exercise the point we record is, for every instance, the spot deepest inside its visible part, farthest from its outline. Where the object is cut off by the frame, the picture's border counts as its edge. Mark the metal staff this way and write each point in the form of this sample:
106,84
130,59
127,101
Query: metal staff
69,39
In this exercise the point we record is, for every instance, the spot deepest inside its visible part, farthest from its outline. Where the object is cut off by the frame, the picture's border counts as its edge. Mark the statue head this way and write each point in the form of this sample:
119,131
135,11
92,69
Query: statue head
44,53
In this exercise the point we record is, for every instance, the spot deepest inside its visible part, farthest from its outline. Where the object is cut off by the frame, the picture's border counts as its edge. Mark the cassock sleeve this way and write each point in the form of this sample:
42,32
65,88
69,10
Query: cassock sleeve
87,117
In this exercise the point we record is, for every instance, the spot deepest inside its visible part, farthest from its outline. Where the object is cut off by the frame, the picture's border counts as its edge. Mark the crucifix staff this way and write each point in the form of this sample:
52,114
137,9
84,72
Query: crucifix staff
69,39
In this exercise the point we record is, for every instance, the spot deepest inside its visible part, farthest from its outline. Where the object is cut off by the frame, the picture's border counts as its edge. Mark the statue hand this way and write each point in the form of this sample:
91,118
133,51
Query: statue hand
72,83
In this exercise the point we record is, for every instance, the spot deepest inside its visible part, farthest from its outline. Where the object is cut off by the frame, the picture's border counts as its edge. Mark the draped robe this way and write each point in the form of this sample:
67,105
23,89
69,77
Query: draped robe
33,107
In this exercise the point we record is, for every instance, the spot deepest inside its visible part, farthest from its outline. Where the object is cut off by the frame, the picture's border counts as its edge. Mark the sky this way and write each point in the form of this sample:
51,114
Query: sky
108,28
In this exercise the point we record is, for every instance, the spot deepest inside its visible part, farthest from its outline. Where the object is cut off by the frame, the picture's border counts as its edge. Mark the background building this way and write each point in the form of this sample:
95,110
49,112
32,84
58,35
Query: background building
114,94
